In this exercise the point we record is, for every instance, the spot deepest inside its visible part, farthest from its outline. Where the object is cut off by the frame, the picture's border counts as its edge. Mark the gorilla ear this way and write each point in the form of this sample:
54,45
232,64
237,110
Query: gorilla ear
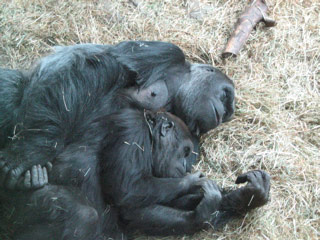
150,118
166,127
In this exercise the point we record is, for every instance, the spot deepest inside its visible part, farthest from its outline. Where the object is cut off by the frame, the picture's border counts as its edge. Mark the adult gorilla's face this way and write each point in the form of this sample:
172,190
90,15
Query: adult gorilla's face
204,99
199,94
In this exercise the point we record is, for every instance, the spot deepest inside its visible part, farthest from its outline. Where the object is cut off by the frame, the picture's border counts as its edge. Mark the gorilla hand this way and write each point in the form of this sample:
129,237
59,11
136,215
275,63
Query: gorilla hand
191,183
14,178
210,203
34,179
254,194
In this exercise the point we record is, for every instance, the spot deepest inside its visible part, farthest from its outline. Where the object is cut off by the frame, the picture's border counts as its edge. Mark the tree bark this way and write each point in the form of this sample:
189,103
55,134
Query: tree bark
253,14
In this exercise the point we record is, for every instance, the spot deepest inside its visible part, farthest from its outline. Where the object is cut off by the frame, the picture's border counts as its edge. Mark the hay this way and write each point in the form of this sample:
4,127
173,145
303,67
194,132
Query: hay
277,122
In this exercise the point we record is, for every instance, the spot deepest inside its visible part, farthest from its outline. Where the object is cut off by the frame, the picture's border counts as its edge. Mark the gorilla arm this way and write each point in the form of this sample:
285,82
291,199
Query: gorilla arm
164,220
153,190
215,206
188,214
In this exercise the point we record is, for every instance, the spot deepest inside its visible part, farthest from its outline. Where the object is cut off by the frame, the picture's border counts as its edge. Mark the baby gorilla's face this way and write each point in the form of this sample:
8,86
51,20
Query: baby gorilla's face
172,145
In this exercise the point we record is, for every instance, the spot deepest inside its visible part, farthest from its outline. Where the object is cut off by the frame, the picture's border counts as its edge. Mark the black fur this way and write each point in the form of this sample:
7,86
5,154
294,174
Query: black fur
130,150
129,176
49,107
53,113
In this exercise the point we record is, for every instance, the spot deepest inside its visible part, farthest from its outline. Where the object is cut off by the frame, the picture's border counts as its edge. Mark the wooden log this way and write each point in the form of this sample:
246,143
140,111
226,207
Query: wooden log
256,12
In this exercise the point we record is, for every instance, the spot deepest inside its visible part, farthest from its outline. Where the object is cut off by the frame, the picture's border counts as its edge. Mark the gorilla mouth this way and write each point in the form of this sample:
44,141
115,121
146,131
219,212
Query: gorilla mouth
217,115
181,169
185,165
218,119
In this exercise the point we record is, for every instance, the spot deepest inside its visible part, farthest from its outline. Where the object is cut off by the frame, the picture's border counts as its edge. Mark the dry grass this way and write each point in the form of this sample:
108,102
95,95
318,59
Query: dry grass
277,121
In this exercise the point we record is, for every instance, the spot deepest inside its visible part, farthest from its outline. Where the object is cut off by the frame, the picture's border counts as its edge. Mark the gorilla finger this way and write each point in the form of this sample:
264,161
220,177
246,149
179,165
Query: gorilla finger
45,175
242,178
20,184
49,166
27,180
198,174
214,186
2,164
208,186
202,182
253,177
259,179
34,176
258,184
13,177
266,178
3,174
40,176
205,185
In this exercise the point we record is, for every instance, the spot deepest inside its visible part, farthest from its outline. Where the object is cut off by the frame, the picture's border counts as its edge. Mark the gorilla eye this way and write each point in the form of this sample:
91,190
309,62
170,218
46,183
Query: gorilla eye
170,125
151,121
223,96
153,94
187,151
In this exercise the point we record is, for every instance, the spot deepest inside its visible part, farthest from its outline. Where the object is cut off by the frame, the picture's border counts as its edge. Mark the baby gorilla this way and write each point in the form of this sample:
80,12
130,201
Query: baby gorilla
130,158
144,205
135,179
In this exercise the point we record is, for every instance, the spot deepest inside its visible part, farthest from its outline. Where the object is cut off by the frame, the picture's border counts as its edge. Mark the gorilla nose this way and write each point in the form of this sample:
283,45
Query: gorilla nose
208,68
228,101
187,151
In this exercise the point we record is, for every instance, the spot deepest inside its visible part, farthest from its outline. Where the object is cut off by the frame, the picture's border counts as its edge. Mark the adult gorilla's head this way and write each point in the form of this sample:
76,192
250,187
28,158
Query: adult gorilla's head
199,94
205,99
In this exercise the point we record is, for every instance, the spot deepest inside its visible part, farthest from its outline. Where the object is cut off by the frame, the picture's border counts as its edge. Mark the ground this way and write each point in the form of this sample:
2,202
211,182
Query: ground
276,126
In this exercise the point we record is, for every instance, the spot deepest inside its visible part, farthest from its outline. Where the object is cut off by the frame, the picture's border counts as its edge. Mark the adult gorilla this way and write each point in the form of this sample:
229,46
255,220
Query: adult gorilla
50,107
134,161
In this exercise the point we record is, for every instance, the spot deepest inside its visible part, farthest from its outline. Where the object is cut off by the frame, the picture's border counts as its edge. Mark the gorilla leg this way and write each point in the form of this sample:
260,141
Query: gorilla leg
56,212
